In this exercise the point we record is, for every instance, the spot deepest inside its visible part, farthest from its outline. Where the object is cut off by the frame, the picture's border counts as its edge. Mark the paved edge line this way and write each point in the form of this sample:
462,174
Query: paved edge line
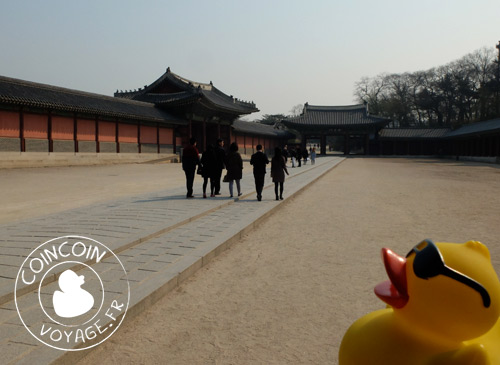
174,282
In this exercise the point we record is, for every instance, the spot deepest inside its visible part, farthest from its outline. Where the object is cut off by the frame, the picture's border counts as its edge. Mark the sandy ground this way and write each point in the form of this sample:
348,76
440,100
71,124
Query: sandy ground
32,192
287,292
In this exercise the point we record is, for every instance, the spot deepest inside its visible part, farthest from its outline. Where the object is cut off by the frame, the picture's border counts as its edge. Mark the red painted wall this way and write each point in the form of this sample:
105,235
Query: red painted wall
9,124
36,126
85,130
62,128
148,134
127,133
107,132
167,136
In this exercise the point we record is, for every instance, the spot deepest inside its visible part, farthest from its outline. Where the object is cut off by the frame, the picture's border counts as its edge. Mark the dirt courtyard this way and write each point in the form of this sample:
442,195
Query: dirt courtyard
288,291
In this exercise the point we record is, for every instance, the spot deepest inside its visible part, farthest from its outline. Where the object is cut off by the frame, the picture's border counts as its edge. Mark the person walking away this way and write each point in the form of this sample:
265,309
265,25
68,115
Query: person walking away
305,154
299,157
221,164
278,170
190,159
259,161
293,154
285,153
234,166
208,170
313,156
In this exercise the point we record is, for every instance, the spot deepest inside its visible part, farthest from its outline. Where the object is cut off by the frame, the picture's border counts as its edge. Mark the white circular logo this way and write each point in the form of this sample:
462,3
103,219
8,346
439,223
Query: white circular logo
72,293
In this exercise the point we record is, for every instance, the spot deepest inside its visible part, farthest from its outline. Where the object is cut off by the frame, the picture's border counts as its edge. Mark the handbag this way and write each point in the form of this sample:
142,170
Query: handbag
225,179
199,171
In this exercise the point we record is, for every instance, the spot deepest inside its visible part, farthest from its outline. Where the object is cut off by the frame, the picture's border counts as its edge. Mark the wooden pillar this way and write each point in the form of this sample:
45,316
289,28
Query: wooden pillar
367,144
245,144
158,138
49,131
190,128
346,143
117,140
75,132
174,142
322,145
139,149
218,129
21,131
97,144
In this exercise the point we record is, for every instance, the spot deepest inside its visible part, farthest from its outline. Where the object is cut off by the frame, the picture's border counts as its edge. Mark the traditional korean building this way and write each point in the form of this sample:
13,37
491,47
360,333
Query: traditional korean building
156,119
208,111
353,122
43,118
249,134
411,141
480,139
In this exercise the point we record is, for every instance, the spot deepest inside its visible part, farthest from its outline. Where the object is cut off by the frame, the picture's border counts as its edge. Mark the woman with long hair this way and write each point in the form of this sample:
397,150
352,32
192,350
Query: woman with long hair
208,170
234,167
278,170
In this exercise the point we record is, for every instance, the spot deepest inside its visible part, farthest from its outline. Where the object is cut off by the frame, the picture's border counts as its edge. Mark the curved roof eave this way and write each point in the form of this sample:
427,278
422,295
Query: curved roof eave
30,94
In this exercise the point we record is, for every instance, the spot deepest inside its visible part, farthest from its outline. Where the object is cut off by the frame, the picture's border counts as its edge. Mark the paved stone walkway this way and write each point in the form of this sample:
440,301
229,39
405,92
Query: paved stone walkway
161,238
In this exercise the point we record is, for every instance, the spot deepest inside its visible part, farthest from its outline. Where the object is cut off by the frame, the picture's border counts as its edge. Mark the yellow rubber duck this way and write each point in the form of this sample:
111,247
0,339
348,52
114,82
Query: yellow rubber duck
443,308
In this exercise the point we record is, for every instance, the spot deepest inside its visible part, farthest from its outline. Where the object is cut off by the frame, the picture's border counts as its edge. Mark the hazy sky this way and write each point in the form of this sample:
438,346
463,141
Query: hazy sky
277,53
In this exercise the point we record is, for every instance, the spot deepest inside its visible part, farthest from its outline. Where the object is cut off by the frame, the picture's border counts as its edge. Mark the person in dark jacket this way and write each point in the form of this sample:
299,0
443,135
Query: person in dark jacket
208,170
285,153
299,156
234,167
278,170
220,165
190,159
305,155
259,161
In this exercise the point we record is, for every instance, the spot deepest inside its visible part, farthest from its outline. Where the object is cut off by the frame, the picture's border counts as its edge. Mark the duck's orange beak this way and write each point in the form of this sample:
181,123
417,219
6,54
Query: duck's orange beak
394,291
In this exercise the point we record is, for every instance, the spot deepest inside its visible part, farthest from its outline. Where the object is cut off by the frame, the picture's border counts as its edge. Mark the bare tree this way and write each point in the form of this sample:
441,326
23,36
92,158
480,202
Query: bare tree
297,110
457,93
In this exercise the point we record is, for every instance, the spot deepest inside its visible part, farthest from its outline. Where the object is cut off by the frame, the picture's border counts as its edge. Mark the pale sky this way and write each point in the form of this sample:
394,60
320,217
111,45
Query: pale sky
276,53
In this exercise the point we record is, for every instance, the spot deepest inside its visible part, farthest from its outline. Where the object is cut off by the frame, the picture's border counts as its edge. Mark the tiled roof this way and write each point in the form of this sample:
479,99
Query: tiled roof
25,93
335,116
480,127
414,133
183,91
260,129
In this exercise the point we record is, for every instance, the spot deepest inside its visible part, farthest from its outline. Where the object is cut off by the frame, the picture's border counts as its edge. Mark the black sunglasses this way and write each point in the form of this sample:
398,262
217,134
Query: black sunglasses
429,262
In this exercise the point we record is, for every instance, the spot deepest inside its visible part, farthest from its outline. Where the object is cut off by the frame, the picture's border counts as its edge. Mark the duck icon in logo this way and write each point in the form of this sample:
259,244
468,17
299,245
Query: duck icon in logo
71,301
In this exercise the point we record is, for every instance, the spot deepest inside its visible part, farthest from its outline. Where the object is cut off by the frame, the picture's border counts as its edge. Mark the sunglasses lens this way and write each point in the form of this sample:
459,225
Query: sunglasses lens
428,261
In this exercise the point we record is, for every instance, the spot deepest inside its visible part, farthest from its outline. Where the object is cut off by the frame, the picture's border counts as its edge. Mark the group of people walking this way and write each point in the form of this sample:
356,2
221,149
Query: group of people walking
298,154
214,160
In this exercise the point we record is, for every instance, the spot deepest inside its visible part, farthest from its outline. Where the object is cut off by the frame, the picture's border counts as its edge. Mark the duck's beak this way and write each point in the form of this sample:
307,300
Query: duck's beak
394,291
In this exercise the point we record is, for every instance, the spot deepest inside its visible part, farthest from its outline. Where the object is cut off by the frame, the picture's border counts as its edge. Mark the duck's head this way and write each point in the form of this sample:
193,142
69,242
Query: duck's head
447,289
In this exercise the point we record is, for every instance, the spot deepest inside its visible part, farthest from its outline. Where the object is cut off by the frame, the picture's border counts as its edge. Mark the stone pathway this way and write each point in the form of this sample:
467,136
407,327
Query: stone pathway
161,238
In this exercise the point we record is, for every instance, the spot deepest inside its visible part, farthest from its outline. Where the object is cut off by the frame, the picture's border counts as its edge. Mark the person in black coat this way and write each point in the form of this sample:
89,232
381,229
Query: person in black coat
220,165
299,157
234,167
278,170
259,161
190,159
208,170
305,155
